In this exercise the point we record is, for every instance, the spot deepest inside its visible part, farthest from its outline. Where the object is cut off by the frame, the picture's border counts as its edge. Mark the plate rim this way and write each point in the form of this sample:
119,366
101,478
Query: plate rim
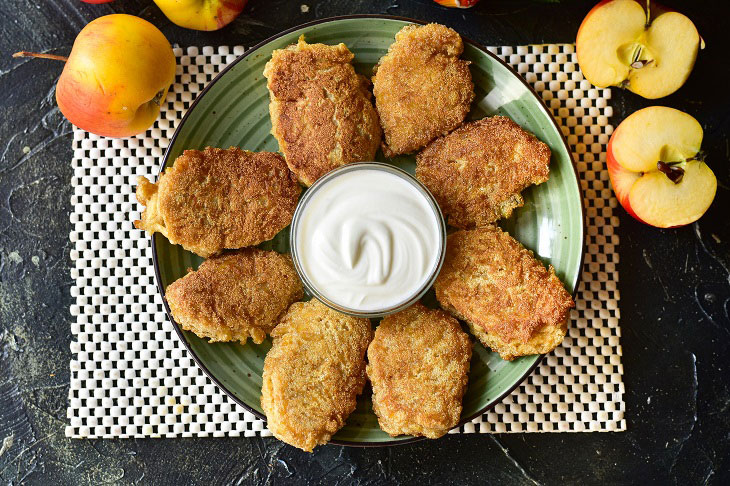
247,52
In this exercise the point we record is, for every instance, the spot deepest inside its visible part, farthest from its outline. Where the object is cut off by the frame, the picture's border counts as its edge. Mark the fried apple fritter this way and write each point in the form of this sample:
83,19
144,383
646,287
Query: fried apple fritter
511,302
476,172
313,373
422,89
215,199
234,296
418,364
321,110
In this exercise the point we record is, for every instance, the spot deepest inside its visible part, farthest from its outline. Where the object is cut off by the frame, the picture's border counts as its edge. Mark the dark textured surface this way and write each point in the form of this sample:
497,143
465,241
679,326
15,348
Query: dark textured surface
675,288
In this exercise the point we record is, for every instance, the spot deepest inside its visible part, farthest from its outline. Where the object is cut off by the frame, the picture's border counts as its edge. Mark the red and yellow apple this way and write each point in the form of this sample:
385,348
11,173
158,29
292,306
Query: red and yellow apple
116,76
457,3
650,52
201,14
654,168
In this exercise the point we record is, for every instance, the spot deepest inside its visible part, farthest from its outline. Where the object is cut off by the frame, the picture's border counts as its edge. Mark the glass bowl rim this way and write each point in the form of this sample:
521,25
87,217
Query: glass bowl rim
383,167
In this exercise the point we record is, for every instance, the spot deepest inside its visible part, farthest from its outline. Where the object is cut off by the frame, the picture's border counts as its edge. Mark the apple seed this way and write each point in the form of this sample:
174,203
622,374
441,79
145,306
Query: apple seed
670,170
641,64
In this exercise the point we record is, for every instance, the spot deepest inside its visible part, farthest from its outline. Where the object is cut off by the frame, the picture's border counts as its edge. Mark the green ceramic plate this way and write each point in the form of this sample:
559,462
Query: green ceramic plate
233,111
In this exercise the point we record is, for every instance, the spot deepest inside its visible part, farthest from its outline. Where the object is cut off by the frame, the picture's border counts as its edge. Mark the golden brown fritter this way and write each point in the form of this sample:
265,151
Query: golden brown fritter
313,373
321,110
511,302
476,172
215,199
418,364
234,296
422,89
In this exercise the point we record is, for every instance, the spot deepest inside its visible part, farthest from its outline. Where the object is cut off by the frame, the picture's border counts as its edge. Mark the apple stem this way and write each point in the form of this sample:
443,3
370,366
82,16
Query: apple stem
158,97
648,14
40,55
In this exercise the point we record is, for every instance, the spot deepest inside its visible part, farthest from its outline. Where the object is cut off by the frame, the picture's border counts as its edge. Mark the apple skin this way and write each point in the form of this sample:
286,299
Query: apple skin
620,180
116,76
203,15
457,3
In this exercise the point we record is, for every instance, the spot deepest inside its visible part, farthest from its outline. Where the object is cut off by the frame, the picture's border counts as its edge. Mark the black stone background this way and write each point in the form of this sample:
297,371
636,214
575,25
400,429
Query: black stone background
674,284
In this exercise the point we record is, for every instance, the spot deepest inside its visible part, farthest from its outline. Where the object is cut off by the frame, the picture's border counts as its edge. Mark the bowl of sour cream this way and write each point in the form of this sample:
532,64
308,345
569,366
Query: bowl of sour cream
368,239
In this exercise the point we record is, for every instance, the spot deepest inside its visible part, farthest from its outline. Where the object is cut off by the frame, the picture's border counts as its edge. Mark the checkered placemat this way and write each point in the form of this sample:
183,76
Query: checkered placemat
132,377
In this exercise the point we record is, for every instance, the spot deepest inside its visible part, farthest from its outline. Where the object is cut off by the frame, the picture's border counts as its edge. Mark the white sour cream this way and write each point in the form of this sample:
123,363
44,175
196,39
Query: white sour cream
368,239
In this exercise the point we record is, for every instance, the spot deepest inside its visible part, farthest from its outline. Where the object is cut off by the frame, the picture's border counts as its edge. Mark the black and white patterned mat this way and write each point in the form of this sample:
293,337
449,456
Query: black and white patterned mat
132,377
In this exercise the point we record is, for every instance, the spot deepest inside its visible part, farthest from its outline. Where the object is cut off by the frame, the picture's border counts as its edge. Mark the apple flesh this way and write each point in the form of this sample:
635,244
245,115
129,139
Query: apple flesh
654,170
116,76
650,53
201,14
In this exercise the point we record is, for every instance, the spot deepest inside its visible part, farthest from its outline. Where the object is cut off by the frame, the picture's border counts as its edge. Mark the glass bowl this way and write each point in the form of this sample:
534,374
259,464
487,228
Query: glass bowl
320,294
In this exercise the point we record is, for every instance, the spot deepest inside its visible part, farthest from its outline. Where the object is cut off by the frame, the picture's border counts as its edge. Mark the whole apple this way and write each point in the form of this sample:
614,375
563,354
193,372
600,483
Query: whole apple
116,76
457,3
201,14
655,168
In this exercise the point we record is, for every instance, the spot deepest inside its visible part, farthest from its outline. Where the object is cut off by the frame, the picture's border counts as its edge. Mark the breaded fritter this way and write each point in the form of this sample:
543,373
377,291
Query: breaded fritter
511,302
215,199
234,296
321,110
476,172
313,373
422,89
418,364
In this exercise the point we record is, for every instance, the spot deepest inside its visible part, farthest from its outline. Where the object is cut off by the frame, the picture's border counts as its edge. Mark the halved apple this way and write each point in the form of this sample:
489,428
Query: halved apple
655,171
650,52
